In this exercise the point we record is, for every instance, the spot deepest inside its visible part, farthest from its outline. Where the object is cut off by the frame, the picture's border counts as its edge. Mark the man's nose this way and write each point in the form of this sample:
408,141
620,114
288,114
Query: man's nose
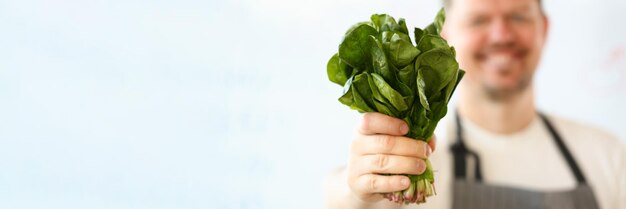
501,31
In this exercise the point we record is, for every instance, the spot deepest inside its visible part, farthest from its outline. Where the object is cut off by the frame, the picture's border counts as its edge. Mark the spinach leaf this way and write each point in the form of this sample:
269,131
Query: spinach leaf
439,20
394,97
418,33
429,42
384,22
402,27
355,47
401,51
338,71
438,68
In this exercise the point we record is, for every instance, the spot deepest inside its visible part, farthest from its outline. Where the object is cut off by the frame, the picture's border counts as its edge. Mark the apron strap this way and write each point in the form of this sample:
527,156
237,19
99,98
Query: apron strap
460,151
564,151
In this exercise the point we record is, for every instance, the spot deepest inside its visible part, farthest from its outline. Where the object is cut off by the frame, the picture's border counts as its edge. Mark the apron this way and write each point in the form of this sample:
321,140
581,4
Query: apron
471,193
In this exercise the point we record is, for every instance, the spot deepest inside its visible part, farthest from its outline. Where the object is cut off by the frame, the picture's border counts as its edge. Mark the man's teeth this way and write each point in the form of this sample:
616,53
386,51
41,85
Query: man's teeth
501,59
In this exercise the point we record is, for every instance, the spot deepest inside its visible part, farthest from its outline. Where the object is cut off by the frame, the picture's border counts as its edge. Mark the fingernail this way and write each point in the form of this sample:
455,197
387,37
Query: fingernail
428,151
404,129
404,182
421,167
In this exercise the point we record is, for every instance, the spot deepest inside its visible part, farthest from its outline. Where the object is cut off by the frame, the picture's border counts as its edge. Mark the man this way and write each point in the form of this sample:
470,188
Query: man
497,151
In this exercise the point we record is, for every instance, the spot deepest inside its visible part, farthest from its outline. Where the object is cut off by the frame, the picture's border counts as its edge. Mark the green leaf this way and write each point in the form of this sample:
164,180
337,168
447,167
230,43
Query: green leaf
385,109
355,47
402,27
418,33
357,25
362,93
389,93
437,25
359,103
458,78
453,51
437,67
419,121
421,90
407,76
384,22
380,65
431,29
429,42
438,110
386,37
381,103
439,20
377,96
407,94
407,83
347,98
338,71
401,51
446,93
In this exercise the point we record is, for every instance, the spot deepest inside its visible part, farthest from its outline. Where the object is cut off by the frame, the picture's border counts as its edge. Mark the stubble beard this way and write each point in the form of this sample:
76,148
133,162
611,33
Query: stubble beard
499,95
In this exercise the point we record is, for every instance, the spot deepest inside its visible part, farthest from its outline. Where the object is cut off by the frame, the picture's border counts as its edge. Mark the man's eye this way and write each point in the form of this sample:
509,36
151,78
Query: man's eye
478,21
518,18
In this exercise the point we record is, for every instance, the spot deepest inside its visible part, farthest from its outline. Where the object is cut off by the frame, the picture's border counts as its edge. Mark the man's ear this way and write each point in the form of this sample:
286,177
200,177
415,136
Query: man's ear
546,25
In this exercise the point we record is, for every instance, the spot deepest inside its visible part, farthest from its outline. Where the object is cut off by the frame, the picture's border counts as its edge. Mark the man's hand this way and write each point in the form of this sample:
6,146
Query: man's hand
381,148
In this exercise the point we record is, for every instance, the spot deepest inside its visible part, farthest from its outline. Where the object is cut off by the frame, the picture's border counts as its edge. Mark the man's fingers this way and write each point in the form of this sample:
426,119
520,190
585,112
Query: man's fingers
390,164
372,183
378,123
432,143
391,145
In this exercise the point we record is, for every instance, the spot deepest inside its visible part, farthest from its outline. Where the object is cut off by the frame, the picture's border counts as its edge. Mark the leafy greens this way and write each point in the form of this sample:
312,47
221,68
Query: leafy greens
383,71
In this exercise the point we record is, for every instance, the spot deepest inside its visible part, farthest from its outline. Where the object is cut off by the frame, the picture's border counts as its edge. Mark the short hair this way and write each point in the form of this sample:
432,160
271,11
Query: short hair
448,3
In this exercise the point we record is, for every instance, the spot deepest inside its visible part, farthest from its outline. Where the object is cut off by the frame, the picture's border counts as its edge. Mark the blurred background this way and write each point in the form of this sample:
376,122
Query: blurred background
225,104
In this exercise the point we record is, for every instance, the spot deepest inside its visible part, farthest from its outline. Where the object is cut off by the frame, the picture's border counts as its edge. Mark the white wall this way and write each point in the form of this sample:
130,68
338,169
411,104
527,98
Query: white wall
224,104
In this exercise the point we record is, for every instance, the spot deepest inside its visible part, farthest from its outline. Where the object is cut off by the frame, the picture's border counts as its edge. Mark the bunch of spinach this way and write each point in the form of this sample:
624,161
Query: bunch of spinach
382,71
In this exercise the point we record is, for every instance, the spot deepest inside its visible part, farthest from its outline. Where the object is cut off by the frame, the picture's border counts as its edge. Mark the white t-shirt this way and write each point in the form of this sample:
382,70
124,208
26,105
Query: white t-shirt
530,159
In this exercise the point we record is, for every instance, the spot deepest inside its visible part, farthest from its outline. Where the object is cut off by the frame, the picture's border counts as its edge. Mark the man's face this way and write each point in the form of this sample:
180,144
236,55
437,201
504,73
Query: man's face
498,42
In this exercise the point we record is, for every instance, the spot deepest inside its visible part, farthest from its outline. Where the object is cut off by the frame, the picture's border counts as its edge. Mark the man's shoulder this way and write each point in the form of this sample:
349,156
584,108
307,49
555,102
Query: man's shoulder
570,126
581,134
599,153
